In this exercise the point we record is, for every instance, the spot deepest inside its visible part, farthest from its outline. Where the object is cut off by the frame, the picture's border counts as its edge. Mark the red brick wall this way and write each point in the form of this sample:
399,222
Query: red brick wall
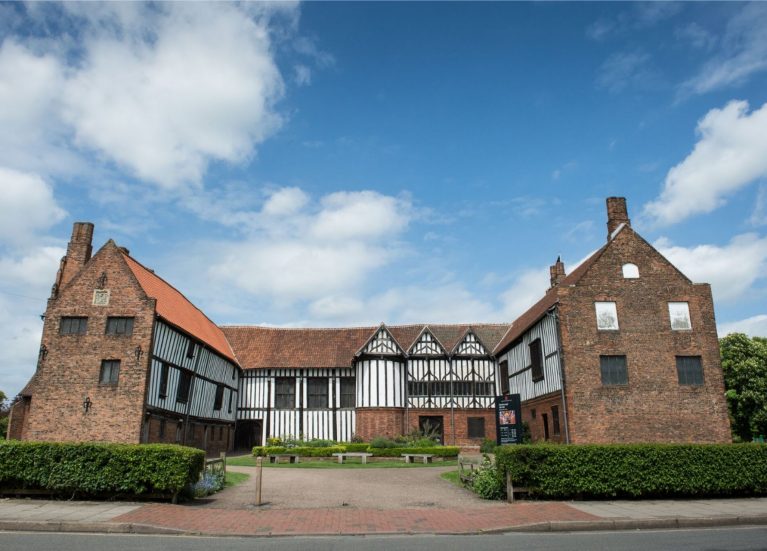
17,423
372,422
456,424
70,371
539,407
653,407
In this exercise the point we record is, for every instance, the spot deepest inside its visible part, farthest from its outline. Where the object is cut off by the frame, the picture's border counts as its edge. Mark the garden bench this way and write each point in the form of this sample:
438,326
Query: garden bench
466,470
275,457
426,457
362,455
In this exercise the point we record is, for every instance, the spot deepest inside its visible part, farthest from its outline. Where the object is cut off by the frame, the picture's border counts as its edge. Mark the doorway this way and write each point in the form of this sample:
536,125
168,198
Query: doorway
432,424
248,434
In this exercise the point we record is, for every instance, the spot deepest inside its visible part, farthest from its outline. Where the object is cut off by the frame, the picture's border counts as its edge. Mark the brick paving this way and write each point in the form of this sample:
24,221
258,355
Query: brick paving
350,521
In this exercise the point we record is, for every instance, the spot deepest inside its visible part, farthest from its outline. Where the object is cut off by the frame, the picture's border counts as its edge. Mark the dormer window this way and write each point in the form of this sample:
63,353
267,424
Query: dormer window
630,271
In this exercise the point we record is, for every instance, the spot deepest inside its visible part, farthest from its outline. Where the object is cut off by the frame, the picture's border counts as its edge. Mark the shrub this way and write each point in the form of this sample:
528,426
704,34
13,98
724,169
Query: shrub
636,470
274,441
488,446
438,451
357,447
319,443
99,469
487,482
303,451
382,442
209,483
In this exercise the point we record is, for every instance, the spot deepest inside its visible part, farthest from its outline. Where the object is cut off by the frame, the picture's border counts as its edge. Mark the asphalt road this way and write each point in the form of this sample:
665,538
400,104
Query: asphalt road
741,538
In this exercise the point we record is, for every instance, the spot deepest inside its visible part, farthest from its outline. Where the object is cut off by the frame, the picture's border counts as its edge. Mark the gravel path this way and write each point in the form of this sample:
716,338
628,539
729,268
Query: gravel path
287,488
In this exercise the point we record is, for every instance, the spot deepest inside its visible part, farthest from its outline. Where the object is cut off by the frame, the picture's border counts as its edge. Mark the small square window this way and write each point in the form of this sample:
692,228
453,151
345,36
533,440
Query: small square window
689,370
110,372
119,326
613,370
607,315
476,427
679,314
70,325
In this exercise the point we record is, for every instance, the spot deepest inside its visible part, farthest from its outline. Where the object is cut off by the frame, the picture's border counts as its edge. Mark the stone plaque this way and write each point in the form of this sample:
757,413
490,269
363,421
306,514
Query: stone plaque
101,297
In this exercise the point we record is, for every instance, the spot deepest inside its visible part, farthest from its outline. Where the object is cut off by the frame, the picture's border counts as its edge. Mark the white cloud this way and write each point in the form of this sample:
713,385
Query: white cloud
624,69
302,75
27,207
755,326
743,52
732,269
527,289
730,154
285,201
361,214
32,273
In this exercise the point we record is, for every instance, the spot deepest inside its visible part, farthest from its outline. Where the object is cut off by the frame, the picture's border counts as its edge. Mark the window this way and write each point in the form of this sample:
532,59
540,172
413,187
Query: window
545,418
190,350
613,370
555,420
230,401
163,391
476,427
536,360
689,370
417,388
348,392
503,368
284,393
532,413
162,428
221,432
317,392
110,372
630,271
607,315
679,314
219,400
119,326
184,382
179,434
482,388
73,326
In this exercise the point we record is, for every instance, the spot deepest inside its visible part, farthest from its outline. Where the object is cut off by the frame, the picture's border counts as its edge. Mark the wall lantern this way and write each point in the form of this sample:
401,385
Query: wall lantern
87,404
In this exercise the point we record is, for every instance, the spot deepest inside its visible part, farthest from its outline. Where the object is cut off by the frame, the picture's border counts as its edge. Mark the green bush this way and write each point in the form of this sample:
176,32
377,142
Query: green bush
488,446
487,482
382,442
303,451
319,443
89,469
357,447
438,451
636,470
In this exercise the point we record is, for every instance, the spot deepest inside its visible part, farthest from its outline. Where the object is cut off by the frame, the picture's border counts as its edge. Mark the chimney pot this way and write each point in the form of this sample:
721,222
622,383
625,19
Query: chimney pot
557,272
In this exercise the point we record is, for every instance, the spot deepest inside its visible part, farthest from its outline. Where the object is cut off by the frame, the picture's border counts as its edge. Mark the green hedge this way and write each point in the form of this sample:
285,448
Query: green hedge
355,447
439,451
636,470
303,451
99,469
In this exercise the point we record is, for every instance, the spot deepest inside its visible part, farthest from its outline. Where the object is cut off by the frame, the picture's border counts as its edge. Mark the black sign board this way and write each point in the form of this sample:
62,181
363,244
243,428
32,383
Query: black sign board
508,419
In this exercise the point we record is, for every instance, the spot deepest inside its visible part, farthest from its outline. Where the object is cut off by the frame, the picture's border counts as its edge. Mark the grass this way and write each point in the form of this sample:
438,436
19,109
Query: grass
250,461
453,477
232,479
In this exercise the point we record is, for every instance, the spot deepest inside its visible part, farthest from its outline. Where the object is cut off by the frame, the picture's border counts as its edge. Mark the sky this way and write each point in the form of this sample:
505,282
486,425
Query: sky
343,164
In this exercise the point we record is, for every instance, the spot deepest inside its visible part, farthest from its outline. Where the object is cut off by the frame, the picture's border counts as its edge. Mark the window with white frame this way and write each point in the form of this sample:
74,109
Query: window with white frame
607,315
679,314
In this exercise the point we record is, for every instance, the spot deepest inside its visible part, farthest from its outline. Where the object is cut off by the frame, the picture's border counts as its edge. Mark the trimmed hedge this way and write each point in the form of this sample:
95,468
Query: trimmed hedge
99,469
303,451
355,447
636,470
439,451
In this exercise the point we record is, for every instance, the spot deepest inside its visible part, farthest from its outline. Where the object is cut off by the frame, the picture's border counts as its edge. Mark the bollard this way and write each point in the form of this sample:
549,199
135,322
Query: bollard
509,488
259,478
222,456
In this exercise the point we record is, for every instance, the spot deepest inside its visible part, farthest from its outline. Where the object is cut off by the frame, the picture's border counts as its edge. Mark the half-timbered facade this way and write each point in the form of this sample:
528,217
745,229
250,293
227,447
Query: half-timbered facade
623,349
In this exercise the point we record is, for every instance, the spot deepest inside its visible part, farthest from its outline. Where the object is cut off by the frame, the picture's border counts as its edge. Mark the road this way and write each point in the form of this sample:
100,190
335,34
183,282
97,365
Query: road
741,538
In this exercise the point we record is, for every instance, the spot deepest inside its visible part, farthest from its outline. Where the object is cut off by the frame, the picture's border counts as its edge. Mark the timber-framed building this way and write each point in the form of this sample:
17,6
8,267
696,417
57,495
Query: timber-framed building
623,349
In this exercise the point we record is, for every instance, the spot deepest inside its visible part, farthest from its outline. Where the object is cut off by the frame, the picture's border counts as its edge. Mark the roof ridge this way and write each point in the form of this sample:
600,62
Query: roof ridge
421,325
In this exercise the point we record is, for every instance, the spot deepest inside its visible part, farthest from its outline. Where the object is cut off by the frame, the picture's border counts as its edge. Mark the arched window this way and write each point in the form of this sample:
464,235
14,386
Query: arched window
630,271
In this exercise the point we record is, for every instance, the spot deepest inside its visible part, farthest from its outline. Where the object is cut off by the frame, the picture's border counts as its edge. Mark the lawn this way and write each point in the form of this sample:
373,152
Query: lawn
453,477
250,461
232,479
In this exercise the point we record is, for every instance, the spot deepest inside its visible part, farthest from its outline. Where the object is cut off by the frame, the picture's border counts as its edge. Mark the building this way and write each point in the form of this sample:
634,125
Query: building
623,349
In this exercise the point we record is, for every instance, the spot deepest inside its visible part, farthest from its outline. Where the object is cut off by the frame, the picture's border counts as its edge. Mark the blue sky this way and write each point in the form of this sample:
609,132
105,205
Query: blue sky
351,163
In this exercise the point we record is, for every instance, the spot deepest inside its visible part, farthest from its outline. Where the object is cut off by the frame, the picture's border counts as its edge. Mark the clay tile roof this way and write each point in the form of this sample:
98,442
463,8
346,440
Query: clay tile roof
537,310
175,308
274,347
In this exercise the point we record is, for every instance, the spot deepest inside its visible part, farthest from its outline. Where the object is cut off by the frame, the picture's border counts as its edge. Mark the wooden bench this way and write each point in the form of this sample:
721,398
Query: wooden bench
362,455
466,470
275,457
425,456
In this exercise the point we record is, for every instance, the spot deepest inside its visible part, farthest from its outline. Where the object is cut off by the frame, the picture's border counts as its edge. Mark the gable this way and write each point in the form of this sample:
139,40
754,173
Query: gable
470,345
427,345
382,343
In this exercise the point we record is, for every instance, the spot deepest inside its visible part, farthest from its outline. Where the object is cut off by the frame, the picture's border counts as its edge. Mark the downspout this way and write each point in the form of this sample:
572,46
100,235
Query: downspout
555,315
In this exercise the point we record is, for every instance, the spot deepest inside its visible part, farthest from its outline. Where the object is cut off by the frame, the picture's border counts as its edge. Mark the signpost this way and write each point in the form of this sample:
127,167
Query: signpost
508,419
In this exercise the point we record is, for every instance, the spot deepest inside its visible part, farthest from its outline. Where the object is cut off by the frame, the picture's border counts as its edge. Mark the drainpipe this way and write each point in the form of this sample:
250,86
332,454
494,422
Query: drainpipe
555,315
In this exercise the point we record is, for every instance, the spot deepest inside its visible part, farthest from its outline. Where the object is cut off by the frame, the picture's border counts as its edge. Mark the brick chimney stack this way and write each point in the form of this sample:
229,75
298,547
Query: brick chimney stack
79,252
617,214
557,272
